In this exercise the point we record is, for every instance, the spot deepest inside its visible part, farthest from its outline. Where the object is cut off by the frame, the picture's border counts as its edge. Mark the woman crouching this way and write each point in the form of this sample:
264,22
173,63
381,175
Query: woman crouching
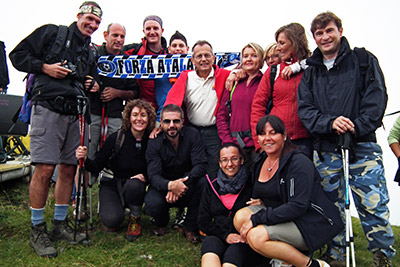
289,213
222,197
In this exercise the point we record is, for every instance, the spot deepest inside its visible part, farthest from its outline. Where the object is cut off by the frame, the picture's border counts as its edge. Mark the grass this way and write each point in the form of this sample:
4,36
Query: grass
109,248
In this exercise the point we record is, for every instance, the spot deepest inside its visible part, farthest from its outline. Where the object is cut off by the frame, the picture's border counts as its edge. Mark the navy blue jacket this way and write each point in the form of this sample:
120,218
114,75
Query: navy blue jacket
304,201
324,95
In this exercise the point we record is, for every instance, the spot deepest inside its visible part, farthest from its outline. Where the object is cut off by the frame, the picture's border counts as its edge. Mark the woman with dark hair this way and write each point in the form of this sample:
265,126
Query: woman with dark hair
124,153
289,213
292,47
221,199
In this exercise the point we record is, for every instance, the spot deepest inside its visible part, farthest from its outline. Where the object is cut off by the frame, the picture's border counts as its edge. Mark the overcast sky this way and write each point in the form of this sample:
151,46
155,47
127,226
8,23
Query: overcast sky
228,25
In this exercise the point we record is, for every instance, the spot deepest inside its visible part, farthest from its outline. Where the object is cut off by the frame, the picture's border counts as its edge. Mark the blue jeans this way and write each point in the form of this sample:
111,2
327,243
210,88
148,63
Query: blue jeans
368,186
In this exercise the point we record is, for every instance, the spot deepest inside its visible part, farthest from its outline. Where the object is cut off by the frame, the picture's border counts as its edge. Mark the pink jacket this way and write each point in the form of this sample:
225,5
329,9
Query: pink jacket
241,102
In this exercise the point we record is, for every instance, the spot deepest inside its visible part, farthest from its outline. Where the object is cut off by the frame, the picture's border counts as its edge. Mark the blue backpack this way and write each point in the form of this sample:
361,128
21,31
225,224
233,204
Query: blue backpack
24,113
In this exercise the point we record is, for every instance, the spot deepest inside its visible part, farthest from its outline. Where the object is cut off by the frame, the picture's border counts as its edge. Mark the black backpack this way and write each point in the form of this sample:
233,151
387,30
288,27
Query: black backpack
24,112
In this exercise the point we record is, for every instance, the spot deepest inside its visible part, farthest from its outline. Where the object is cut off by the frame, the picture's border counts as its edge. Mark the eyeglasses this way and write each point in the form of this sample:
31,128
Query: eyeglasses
200,56
168,121
234,160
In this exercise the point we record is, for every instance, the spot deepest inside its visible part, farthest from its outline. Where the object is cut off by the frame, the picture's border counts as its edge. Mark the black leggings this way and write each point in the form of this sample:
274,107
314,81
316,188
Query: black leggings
239,254
111,209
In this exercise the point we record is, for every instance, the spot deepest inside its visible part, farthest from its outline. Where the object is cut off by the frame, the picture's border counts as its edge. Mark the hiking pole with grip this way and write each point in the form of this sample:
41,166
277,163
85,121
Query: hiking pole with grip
344,144
81,193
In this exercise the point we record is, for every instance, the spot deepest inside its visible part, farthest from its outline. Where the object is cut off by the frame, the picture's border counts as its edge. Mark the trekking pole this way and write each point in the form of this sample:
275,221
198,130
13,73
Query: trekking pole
344,143
104,124
90,188
81,192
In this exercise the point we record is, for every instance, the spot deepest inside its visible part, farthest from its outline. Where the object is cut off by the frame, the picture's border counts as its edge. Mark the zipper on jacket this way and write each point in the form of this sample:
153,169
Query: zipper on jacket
291,188
321,211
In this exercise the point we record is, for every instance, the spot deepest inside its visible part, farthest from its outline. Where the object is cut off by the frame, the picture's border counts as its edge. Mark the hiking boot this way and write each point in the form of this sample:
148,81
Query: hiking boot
192,237
61,230
134,228
160,231
331,261
381,260
40,241
179,218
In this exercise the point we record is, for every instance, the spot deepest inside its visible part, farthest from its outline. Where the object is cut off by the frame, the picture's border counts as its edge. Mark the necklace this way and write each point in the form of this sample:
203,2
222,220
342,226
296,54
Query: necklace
270,168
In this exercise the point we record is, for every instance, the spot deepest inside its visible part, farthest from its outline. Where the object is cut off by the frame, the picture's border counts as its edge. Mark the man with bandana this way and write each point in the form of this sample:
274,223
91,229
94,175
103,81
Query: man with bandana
54,133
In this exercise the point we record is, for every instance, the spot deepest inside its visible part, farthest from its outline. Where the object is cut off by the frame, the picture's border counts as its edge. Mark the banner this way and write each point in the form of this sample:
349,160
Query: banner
155,66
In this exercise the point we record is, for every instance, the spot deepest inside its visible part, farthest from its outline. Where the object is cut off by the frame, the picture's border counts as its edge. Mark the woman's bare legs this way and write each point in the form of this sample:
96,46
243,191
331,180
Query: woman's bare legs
258,239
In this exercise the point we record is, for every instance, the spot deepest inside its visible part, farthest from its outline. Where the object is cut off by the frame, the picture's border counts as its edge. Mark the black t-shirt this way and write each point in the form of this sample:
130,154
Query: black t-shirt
268,192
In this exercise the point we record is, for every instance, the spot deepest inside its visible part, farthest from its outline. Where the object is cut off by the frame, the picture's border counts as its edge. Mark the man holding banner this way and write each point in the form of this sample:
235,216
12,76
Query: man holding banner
177,45
201,91
152,44
107,105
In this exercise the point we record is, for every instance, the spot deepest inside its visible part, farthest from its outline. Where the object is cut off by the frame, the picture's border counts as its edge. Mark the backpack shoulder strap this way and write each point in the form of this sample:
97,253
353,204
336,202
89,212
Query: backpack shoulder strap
272,78
119,141
58,43
362,56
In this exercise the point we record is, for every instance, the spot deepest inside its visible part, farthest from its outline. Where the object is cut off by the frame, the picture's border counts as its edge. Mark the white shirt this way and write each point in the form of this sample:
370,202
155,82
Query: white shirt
201,99
329,63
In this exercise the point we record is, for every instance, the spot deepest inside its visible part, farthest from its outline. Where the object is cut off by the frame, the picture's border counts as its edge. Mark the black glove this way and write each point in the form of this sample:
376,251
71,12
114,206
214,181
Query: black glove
348,141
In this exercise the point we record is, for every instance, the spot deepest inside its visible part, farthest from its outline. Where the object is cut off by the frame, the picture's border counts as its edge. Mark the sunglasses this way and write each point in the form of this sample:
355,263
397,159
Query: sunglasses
168,121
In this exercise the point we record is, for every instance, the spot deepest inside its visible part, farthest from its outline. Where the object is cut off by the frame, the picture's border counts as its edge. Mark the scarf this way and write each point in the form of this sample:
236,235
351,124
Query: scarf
232,185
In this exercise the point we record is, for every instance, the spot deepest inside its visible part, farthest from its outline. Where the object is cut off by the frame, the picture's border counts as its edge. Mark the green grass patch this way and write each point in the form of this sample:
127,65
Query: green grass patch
110,248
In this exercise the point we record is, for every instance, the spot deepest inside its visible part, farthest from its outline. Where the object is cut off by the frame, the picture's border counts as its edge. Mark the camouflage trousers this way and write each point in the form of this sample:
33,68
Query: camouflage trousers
368,186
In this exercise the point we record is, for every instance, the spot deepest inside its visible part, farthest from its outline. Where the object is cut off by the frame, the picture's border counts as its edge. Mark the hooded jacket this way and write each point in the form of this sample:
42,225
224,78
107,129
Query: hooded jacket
326,94
304,201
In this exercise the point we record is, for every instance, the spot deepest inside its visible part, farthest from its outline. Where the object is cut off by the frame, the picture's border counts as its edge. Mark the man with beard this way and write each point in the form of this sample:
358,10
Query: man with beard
176,163
200,91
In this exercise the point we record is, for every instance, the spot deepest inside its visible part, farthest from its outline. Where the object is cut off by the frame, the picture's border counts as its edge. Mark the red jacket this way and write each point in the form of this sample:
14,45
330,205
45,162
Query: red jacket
178,90
284,104
147,88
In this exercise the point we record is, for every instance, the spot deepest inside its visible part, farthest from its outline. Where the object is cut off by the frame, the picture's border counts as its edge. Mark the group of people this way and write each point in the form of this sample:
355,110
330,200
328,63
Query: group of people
256,186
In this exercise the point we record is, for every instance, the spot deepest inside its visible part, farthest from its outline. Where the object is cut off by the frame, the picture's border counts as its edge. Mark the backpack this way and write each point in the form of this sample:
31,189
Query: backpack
118,143
269,104
272,82
24,112
240,135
